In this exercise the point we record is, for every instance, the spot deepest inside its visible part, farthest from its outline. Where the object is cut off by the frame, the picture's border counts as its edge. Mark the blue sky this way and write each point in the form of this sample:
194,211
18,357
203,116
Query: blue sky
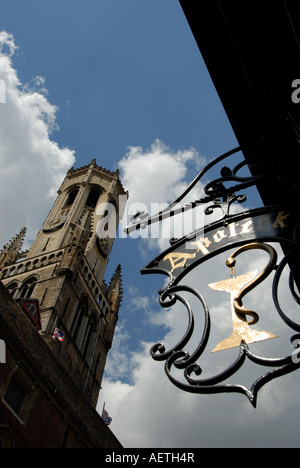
122,81
122,73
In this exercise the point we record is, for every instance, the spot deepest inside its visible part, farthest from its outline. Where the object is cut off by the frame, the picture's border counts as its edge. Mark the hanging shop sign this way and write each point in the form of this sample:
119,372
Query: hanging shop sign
260,229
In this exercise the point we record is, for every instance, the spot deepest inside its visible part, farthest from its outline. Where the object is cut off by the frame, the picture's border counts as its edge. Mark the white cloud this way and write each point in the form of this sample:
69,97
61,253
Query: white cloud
32,164
158,174
119,362
155,178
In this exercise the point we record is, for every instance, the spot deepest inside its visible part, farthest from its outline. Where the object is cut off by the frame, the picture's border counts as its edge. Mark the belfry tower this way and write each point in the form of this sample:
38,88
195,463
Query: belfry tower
60,280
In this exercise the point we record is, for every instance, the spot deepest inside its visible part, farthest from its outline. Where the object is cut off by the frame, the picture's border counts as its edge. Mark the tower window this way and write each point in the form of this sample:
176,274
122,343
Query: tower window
76,325
89,336
93,197
28,287
14,396
71,197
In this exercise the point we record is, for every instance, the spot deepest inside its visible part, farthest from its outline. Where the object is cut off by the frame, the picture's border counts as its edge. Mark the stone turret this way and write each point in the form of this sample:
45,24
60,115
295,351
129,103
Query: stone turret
10,252
115,291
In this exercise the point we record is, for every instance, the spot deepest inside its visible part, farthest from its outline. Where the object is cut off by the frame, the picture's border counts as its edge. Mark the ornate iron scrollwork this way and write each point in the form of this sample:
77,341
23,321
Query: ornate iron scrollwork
239,232
179,358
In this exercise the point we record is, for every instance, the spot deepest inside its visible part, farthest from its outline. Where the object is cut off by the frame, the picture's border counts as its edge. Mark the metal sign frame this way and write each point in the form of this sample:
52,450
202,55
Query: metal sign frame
250,229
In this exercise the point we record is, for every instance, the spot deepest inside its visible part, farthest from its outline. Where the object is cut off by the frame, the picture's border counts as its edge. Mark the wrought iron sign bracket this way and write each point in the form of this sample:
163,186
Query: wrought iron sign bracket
236,233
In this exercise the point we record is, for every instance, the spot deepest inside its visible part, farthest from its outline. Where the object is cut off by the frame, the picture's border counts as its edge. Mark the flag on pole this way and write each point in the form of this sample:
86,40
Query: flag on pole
58,334
105,416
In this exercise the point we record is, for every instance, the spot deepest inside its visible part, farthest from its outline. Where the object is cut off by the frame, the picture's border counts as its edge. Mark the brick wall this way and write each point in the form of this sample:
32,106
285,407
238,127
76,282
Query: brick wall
54,413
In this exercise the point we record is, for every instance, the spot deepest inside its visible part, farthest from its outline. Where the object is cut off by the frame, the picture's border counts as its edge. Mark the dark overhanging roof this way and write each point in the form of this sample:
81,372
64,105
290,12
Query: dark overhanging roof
252,52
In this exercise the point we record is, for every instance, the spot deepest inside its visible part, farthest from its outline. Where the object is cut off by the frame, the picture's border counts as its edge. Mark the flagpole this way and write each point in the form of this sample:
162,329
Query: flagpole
103,409
56,319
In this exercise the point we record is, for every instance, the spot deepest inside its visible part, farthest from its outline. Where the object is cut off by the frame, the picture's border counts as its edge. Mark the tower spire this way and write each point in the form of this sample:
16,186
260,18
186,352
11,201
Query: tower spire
11,250
115,289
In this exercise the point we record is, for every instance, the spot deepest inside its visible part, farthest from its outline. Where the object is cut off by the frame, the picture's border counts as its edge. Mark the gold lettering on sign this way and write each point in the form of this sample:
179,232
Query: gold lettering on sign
219,236
279,221
202,244
262,222
178,259
232,229
247,227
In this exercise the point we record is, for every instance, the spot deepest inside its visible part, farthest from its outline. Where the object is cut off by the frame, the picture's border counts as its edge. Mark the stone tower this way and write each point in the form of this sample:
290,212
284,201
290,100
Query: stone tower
60,280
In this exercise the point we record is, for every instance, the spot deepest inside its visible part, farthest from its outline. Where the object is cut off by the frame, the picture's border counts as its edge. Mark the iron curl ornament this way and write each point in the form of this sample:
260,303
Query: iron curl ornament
258,229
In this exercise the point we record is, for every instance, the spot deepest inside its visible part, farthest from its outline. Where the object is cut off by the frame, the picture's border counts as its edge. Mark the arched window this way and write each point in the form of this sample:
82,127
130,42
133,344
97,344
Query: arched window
93,197
19,268
12,271
77,327
28,287
71,197
84,328
77,322
89,336
4,273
